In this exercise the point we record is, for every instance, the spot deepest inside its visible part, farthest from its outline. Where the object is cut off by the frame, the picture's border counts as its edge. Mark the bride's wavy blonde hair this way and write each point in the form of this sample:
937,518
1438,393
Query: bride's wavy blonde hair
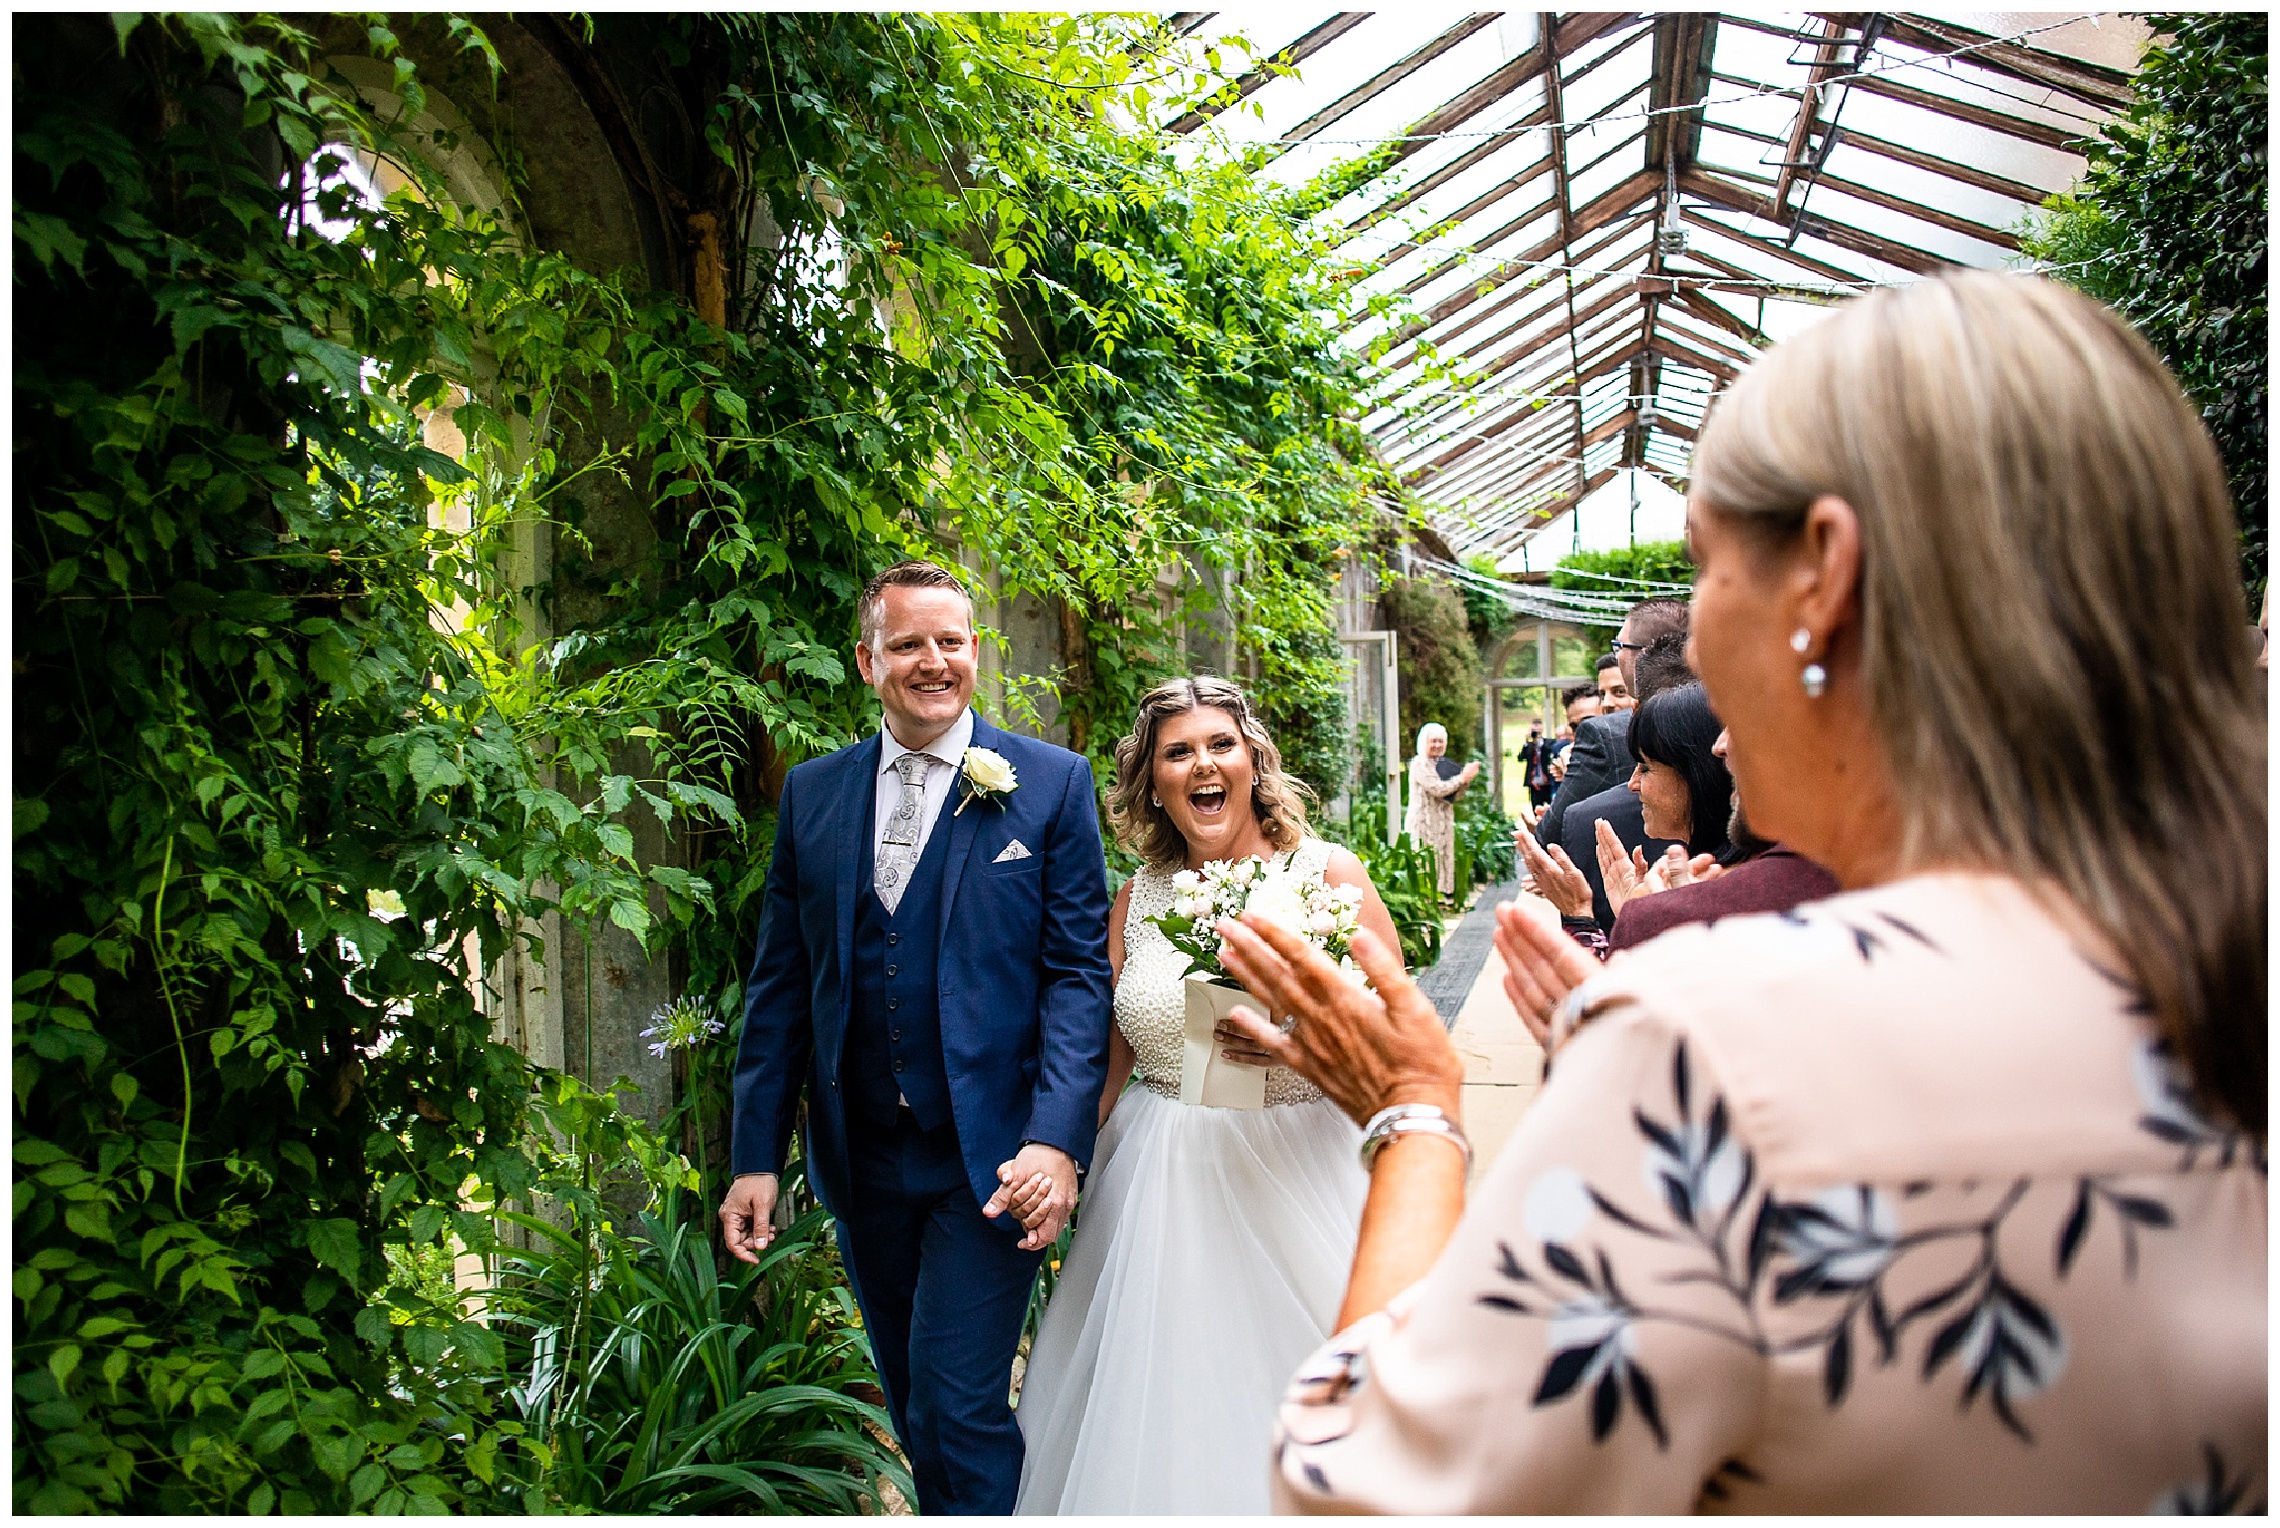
1278,800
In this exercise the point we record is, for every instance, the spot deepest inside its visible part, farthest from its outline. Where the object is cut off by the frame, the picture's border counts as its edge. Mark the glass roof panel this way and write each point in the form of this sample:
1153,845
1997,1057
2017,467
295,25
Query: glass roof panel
1550,262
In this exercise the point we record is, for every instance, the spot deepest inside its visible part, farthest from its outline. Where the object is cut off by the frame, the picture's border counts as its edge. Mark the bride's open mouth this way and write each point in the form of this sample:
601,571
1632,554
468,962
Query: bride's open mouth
1208,800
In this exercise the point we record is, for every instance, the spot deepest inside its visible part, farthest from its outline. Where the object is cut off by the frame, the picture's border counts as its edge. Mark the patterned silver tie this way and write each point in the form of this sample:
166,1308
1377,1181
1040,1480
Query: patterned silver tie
898,846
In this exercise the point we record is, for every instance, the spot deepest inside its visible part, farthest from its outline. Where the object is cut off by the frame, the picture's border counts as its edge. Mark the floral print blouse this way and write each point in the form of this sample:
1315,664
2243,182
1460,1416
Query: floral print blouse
1890,1203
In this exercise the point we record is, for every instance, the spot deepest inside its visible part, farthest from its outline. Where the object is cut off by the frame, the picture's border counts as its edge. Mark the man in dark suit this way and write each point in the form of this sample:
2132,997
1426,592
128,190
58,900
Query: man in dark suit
1536,765
1572,822
933,971
1601,755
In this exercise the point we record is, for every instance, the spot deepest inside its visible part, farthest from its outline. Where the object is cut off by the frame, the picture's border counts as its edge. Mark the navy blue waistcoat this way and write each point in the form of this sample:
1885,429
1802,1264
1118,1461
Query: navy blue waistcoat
894,1028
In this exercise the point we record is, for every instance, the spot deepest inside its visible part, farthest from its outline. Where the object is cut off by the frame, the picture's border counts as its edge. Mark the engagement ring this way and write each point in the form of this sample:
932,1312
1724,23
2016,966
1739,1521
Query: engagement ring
1287,1023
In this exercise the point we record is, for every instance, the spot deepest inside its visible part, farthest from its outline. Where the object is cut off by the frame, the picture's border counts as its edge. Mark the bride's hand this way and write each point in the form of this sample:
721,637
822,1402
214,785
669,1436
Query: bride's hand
1365,1048
1239,1048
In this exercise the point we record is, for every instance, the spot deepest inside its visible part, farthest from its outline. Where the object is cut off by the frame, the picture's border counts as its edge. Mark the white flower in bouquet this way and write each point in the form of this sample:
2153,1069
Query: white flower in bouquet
1324,916
1280,903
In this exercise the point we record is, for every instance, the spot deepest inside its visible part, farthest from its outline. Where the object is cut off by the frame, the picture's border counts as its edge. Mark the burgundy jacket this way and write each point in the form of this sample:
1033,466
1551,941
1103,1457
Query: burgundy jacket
1775,880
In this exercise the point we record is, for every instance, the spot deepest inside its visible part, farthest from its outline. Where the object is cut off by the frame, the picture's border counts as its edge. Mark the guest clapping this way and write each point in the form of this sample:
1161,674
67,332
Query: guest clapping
1947,1193
1684,796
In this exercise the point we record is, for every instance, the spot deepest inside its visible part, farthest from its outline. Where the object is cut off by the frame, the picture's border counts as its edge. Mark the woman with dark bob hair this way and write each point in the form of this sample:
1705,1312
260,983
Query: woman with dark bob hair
1946,1193
1683,788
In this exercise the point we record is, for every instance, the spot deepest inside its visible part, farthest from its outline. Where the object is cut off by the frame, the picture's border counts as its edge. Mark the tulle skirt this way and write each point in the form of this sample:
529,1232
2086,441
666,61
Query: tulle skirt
1211,1253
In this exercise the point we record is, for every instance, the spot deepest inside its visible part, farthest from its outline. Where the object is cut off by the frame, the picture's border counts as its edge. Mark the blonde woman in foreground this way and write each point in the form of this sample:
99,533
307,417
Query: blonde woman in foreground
1945,1194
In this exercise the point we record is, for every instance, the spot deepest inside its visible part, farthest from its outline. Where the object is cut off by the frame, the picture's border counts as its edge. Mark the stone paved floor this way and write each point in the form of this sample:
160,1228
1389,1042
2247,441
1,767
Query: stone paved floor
1504,1066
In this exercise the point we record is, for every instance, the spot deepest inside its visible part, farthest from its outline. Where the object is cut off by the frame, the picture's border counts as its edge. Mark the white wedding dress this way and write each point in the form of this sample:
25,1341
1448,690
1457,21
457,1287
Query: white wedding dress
1211,1252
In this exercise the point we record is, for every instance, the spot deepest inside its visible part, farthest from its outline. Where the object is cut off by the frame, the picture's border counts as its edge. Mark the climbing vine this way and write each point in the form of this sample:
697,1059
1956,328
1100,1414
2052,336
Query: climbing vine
296,772
2169,225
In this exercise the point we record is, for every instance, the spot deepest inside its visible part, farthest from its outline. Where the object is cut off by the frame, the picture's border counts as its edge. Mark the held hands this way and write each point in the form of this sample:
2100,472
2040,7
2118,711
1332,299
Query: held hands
1039,1189
747,1215
1541,966
1553,876
1365,1048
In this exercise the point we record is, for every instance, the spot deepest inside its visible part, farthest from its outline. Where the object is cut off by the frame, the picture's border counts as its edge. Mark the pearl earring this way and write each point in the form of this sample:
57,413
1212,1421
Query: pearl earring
1816,679
1800,639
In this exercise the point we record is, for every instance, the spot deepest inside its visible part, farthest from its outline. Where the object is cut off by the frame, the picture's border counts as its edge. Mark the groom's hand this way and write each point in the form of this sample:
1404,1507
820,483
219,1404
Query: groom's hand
1039,1186
747,1215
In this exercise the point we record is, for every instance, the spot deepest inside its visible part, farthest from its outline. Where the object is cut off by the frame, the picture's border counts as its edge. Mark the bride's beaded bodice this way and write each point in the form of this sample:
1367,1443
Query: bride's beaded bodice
1151,994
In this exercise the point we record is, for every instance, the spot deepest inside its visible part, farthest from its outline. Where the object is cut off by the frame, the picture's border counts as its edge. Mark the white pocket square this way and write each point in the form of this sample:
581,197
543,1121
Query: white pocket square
1017,850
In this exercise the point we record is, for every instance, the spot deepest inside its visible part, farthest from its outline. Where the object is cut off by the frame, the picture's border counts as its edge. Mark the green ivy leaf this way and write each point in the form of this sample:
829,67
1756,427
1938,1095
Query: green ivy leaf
338,1244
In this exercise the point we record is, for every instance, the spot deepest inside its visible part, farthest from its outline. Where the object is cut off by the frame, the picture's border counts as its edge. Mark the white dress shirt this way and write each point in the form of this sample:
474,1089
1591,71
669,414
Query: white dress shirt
949,749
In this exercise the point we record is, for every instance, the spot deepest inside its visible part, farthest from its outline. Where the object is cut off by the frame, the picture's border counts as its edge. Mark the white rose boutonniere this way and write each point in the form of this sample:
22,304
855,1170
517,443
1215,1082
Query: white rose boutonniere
986,774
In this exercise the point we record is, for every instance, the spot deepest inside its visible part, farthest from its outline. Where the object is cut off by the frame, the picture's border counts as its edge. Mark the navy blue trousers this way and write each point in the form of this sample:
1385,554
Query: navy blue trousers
943,1294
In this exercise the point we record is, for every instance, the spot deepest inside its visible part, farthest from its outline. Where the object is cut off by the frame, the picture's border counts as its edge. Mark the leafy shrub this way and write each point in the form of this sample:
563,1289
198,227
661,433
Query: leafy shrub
1404,872
1440,666
1485,855
660,1386
2168,227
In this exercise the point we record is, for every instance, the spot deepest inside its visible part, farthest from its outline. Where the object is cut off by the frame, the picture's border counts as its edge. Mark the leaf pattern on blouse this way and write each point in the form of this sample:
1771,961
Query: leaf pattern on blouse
1831,1252
2218,1493
1692,1240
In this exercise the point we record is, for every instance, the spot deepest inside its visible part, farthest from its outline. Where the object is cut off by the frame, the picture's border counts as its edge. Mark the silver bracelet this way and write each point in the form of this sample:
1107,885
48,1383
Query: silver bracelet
1403,1119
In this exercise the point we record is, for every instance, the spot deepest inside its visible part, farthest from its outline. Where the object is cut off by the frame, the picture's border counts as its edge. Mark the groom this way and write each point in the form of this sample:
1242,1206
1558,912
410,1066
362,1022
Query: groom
933,969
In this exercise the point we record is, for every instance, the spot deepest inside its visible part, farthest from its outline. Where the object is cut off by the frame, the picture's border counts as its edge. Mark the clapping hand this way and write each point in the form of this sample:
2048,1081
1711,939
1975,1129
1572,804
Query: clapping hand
1541,966
1039,1189
1553,876
1366,1047
1674,870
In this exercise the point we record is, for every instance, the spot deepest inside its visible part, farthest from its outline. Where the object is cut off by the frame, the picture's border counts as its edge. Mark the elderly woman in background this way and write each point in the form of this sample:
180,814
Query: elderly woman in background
1946,1193
1433,802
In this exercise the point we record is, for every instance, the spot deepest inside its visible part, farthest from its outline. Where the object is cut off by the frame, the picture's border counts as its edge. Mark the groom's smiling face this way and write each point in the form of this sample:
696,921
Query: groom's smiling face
922,663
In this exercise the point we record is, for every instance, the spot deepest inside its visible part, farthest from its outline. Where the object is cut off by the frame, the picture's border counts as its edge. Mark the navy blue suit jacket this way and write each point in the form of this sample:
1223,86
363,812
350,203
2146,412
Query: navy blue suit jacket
1023,973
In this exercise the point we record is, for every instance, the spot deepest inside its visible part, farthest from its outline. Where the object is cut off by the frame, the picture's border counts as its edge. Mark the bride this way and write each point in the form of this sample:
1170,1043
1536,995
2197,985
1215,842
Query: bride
1212,1244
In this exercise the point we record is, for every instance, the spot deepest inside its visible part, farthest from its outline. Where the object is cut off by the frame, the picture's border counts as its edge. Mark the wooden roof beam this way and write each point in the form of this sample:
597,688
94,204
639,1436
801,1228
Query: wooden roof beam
1826,62
1520,414
1573,33
1670,350
1830,273
1493,307
1533,517
1964,111
1860,242
1970,175
1530,418
1451,170
1892,252
1255,80
1392,75
1921,211
1716,315
1617,200
2104,88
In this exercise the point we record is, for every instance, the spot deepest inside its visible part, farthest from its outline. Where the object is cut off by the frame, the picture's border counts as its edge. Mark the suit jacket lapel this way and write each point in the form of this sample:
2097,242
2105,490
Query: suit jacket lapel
858,797
963,825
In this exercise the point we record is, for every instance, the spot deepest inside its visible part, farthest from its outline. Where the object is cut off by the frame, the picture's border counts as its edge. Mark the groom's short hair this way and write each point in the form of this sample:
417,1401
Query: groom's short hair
910,573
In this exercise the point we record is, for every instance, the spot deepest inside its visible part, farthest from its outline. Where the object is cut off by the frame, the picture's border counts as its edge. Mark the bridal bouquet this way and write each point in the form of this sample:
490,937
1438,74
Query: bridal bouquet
1323,915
